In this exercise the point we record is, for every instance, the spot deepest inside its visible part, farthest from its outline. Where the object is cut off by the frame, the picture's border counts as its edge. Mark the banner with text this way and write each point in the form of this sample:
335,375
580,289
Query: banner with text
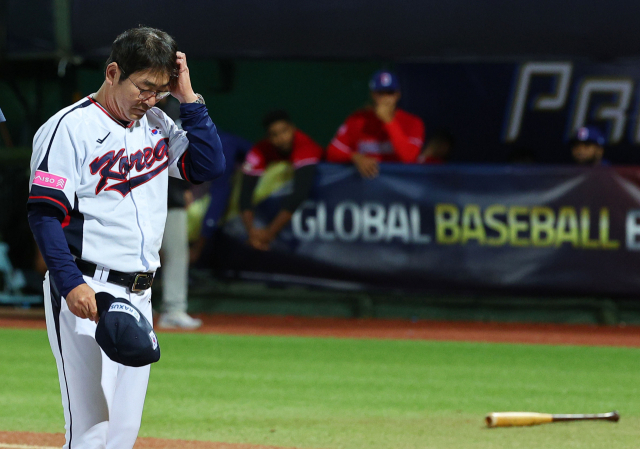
518,228
505,111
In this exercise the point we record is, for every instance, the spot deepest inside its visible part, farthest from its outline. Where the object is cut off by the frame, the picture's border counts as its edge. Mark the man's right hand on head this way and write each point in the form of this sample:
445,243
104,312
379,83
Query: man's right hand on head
366,165
82,302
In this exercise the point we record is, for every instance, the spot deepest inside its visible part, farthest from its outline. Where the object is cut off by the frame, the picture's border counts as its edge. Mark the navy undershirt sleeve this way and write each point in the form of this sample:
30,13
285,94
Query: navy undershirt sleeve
45,222
204,159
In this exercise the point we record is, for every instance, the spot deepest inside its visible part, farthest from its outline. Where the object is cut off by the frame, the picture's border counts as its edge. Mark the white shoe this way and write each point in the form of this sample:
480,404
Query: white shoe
178,320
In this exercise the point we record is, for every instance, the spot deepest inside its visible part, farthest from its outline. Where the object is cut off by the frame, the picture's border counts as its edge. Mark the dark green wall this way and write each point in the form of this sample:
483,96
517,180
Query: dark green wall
318,95
21,129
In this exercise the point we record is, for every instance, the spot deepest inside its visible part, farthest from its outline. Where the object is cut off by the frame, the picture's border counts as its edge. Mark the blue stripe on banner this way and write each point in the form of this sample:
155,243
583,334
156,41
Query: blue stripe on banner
537,229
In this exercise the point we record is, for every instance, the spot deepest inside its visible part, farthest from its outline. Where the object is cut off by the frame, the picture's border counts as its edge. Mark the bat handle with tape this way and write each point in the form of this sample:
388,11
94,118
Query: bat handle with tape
611,416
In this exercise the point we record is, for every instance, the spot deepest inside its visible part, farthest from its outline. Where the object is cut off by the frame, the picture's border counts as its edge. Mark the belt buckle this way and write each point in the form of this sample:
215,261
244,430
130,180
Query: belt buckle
145,280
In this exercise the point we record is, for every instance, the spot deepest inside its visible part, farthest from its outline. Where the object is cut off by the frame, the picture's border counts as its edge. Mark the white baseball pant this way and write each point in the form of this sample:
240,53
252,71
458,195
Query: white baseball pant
102,399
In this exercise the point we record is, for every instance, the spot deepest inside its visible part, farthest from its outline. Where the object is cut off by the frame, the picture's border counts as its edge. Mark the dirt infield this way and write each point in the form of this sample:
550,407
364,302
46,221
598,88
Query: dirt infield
31,440
554,334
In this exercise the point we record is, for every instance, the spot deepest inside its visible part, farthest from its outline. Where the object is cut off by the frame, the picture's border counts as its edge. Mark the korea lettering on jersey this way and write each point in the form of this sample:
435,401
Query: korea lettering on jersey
109,180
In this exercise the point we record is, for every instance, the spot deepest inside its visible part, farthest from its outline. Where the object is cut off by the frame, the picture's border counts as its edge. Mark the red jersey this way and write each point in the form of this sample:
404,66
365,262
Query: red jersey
304,152
363,132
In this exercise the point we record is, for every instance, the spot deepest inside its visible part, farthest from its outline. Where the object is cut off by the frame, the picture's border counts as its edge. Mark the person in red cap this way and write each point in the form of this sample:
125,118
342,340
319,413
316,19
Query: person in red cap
382,133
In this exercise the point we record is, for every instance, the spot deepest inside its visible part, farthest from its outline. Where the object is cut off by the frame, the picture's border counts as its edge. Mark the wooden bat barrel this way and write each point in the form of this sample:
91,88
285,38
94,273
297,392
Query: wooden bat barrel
507,419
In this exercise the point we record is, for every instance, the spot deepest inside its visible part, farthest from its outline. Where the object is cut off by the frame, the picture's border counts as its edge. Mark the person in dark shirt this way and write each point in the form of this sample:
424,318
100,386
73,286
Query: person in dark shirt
587,147
175,261
235,150
283,142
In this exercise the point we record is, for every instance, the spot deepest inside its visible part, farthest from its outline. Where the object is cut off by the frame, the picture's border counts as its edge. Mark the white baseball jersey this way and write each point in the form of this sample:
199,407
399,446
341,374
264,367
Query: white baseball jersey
109,179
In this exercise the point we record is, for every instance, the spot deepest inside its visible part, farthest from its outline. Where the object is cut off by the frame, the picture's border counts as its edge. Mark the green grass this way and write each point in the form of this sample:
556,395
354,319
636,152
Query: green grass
351,394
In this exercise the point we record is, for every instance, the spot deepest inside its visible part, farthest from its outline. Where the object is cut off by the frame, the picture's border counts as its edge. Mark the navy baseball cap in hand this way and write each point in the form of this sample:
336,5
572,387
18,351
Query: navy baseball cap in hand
384,80
123,332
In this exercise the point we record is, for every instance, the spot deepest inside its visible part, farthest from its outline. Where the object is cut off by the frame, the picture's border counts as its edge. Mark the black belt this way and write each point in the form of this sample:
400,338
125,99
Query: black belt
136,282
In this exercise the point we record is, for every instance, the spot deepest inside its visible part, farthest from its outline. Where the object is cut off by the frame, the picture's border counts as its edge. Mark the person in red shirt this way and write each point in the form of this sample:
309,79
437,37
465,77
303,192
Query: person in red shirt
383,133
283,143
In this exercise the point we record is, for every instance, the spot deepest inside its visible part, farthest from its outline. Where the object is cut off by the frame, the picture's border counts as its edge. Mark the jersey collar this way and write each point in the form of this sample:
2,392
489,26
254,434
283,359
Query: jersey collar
119,122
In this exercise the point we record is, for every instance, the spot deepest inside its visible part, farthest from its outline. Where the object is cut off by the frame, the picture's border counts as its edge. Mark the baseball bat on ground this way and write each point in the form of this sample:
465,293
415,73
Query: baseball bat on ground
507,419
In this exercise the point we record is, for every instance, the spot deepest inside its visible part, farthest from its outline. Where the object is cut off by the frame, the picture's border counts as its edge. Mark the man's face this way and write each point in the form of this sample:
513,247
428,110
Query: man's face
128,103
385,98
281,134
587,153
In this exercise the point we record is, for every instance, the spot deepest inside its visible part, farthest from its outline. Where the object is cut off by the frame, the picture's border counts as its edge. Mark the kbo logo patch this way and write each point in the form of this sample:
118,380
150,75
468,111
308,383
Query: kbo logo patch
50,180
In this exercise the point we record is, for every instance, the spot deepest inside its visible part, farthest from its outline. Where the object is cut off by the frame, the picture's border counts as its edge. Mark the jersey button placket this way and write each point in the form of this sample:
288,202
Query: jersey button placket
135,141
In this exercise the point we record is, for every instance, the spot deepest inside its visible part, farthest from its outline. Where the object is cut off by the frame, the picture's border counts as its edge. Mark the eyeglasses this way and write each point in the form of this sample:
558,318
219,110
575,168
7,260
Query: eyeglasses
146,94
